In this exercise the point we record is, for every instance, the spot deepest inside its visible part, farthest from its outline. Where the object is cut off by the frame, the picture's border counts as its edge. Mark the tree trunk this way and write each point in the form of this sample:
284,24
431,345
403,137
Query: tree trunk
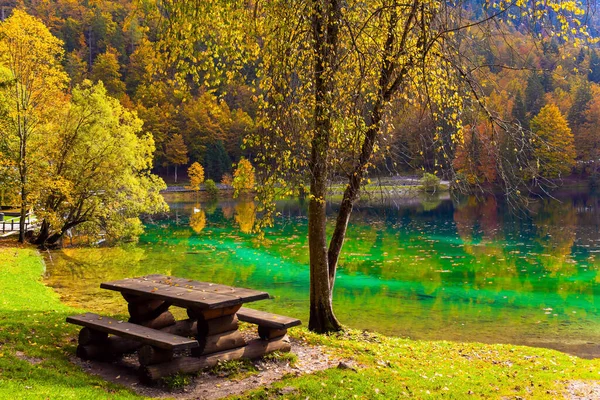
325,30
175,173
23,176
387,87
43,235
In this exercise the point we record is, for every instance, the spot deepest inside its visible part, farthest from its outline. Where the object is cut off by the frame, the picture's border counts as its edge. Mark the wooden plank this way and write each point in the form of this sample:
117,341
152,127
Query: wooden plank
246,294
128,330
254,349
181,296
266,319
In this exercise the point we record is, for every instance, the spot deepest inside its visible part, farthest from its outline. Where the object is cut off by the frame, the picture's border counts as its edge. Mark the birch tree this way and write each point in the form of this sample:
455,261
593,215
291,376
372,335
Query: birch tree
329,75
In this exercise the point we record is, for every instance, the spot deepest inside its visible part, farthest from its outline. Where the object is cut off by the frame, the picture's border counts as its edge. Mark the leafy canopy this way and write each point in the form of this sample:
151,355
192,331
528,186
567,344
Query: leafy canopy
99,168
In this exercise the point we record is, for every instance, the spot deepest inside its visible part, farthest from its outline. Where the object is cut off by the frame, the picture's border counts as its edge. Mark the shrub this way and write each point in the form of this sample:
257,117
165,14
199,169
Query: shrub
430,183
211,188
227,179
243,178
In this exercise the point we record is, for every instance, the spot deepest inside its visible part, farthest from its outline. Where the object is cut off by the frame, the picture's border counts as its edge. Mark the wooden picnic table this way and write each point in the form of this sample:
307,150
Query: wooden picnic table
213,310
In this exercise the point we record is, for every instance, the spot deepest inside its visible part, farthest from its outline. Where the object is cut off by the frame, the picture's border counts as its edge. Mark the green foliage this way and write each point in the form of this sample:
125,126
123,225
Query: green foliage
285,357
519,112
594,70
217,160
98,172
177,381
234,369
430,183
211,188
534,94
581,101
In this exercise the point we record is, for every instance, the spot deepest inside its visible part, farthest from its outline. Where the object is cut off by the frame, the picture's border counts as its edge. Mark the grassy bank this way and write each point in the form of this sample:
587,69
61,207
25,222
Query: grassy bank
390,368
35,341
36,344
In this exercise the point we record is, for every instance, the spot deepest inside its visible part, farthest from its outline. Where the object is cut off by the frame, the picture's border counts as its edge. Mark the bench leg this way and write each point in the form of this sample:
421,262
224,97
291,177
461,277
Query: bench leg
91,336
187,365
149,355
267,333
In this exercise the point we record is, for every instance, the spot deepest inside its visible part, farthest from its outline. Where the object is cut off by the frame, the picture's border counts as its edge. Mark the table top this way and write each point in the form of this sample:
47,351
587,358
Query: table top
185,293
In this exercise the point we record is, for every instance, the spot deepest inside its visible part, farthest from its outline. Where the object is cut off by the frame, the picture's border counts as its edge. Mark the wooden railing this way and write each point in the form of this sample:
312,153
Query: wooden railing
13,224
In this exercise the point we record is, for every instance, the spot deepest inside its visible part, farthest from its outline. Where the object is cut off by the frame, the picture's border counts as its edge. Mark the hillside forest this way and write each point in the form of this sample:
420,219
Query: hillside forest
555,95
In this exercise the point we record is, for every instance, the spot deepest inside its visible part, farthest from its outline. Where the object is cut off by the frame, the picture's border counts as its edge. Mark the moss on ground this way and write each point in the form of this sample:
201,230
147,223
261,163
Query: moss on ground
36,344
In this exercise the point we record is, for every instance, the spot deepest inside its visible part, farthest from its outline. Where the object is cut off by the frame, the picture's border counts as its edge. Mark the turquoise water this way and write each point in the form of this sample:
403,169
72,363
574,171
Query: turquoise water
433,269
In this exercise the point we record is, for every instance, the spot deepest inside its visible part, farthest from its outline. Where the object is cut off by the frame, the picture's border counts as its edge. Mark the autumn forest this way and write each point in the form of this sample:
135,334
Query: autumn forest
119,44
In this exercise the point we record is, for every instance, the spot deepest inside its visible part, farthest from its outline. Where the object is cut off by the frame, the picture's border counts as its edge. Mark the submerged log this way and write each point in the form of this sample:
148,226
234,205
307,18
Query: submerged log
217,325
219,342
255,349
148,355
90,336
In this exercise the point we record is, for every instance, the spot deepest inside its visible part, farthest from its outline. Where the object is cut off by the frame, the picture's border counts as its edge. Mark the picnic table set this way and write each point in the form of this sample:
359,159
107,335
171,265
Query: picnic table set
165,346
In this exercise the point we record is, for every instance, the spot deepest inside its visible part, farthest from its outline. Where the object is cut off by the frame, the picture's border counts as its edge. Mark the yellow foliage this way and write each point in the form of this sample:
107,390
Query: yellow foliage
553,143
245,215
198,220
196,175
243,178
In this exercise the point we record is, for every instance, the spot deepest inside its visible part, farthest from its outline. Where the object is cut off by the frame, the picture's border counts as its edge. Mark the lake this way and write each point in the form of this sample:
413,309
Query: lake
424,268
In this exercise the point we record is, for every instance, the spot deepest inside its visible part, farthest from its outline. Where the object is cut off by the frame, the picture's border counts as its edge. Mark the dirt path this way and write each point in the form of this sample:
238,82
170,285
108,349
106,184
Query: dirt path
583,390
209,386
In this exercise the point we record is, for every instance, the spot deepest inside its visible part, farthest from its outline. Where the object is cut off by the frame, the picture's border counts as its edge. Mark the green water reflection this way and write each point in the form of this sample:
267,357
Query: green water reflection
469,271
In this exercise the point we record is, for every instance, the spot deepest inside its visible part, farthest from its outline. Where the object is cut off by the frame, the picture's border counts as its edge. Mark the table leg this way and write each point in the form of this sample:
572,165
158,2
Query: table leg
149,312
217,330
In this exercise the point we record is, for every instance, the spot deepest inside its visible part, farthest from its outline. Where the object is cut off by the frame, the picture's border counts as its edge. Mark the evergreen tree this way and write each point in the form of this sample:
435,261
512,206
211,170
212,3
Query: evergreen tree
594,72
546,81
216,161
519,112
580,56
581,102
534,94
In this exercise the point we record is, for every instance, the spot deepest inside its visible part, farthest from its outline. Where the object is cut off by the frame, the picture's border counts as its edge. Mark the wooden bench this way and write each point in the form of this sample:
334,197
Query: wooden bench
269,325
93,338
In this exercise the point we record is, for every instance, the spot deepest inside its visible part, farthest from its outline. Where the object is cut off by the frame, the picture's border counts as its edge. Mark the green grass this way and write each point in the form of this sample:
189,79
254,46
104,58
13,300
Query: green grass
278,356
35,341
390,368
234,369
